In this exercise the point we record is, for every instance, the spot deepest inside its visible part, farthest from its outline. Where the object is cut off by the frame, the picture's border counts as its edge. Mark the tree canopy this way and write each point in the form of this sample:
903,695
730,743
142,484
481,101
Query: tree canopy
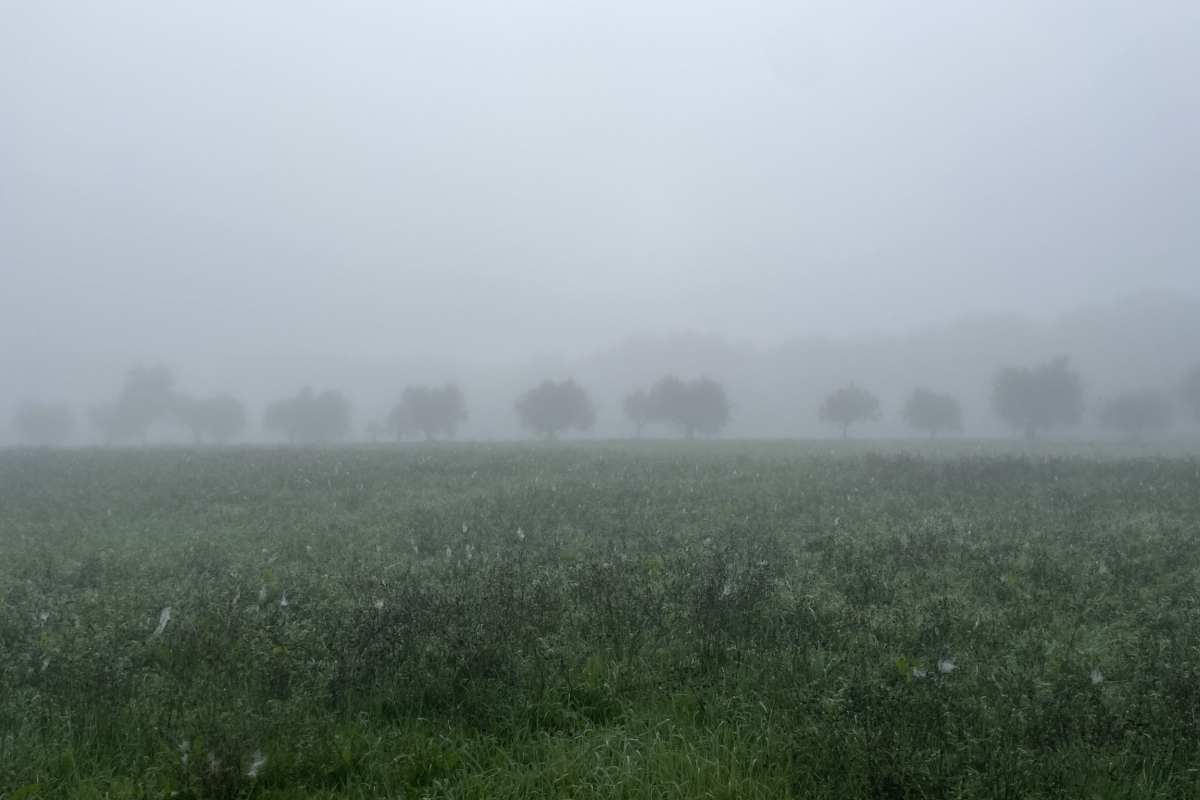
1189,392
146,397
551,408
695,406
931,412
1035,399
638,410
431,410
309,417
218,419
1138,413
848,406
43,424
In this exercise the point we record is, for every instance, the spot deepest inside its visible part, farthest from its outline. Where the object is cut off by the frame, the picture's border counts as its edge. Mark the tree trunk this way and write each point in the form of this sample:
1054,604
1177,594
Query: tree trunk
846,430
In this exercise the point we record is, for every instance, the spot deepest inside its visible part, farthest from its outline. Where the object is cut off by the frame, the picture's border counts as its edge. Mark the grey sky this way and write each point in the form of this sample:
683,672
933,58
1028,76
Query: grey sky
181,180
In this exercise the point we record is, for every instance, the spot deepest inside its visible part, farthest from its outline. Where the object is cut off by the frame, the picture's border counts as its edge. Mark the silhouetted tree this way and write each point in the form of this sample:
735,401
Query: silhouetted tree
375,431
145,398
1189,392
1136,414
432,410
849,405
113,423
696,406
1034,399
928,411
219,419
400,422
638,409
284,416
550,408
43,425
309,417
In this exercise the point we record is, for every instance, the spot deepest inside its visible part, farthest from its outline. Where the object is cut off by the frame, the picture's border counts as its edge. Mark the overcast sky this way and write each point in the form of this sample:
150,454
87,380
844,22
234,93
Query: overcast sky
182,180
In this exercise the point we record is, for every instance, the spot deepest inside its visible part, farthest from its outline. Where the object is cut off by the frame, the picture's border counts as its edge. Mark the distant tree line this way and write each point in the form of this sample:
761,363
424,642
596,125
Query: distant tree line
1032,400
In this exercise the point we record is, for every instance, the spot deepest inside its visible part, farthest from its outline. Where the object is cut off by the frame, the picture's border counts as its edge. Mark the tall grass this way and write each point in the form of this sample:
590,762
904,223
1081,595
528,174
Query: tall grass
649,621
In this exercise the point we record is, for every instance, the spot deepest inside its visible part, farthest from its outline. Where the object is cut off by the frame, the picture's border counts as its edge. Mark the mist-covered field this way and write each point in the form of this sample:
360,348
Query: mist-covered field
630,399
658,620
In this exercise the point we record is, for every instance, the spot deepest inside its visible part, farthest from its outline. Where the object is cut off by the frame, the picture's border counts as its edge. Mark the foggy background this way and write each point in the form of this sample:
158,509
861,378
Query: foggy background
785,196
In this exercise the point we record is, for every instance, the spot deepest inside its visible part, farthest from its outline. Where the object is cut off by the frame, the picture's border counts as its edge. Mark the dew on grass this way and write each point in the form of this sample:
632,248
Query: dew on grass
257,762
164,617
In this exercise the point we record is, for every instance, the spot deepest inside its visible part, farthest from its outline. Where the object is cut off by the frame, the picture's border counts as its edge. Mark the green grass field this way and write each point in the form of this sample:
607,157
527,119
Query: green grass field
603,621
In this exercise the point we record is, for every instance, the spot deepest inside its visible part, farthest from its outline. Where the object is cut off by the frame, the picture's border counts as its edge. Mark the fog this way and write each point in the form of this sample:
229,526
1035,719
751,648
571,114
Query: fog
785,196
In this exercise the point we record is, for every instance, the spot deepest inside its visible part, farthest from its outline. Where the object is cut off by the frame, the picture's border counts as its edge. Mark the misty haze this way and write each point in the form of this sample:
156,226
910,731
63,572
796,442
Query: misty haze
526,399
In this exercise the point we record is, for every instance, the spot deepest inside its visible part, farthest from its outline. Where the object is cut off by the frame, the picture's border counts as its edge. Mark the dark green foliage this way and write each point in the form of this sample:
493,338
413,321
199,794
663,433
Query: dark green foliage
671,622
